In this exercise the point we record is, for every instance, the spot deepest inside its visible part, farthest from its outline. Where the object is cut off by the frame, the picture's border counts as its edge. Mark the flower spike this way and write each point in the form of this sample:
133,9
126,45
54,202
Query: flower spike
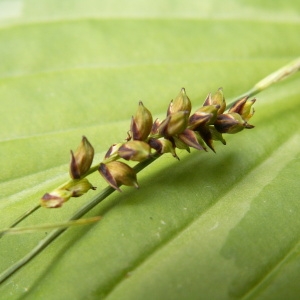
82,159
117,173
141,123
231,123
243,108
134,150
174,124
181,103
192,139
179,130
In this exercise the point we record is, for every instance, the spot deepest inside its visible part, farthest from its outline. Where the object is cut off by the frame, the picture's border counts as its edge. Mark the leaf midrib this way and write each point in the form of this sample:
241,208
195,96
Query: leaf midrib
125,65
60,20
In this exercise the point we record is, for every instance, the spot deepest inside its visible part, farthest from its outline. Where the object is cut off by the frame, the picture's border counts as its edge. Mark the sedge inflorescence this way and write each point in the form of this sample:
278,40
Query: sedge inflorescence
179,130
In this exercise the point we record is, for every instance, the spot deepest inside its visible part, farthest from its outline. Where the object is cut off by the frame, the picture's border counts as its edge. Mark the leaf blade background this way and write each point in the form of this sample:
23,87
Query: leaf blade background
72,70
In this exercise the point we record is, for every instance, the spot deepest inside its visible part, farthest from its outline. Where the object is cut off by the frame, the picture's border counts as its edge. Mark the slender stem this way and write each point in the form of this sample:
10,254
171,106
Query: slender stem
21,218
92,170
56,233
277,76
29,229
274,77
32,210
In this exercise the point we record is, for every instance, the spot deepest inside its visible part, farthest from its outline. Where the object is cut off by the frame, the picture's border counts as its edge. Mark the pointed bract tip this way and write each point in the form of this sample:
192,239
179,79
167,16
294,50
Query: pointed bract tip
82,159
117,173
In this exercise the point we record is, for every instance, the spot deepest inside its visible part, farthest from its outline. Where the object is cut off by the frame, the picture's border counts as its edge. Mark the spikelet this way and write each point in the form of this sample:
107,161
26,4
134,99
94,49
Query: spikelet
179,130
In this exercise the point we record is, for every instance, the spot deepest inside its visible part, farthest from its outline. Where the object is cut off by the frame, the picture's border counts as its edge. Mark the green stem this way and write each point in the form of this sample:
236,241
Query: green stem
32,210
274,77
29,229
56,233
92,170
21,218
277,76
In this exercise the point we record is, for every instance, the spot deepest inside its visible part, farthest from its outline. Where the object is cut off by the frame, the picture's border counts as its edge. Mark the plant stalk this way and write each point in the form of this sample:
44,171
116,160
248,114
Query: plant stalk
277,76
56,233
29,229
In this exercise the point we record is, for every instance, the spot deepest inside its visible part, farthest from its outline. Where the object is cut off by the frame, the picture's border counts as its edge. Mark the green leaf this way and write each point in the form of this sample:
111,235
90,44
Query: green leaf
212,226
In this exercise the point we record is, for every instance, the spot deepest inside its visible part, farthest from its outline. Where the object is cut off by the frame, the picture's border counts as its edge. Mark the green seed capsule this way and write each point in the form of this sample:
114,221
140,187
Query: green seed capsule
117,173
82,159
141,123
181,103
135,150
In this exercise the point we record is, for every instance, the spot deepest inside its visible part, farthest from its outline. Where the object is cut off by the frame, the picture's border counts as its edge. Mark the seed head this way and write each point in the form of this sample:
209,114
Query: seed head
113,151
79,188
205,115
134,150
56,198
180,144
74,188
174,124
82,159
155,126
162,146
216,99
206,135
117,173
141,123
192,139
231,123
181,103
243,108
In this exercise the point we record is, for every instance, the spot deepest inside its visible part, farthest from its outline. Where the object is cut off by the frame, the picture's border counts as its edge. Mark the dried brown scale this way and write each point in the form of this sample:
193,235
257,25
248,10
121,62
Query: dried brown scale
192,139
178,130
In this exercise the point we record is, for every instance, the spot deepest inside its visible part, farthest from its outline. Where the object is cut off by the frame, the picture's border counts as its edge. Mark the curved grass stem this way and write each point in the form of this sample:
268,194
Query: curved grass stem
274,77
29,229
20,219
57,232
279,75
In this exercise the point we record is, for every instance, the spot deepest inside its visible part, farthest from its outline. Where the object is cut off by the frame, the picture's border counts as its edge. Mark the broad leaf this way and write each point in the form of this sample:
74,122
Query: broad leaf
212,226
